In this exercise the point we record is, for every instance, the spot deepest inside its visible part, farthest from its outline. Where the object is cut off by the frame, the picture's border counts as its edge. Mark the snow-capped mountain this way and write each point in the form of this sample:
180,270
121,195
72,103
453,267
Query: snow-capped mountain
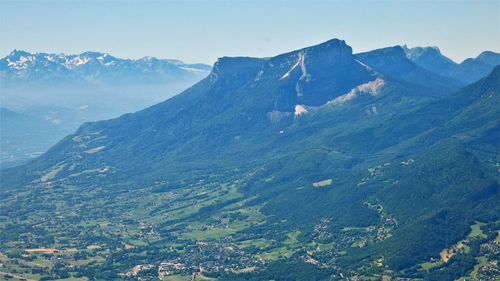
94,67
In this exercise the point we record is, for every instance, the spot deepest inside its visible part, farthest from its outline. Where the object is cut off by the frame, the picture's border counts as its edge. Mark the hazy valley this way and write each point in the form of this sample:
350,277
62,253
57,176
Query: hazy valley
57,93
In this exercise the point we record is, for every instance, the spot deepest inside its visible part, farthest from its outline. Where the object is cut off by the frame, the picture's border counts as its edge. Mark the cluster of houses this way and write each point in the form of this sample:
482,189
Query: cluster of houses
491,270
138,268
172,268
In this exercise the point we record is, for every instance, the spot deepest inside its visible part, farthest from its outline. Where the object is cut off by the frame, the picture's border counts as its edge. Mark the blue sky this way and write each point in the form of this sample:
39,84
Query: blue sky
202,31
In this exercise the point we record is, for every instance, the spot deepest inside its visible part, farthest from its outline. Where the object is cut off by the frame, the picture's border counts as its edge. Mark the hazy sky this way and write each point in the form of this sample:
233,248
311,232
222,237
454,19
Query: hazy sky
201,31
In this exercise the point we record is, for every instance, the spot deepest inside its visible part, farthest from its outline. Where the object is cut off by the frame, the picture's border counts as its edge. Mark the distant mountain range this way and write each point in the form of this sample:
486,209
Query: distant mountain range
317,162
95,68
468,71
69,90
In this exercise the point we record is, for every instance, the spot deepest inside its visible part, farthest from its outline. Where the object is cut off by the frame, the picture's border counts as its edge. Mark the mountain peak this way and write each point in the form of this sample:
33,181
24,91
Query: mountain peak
224,62
148,59
330,44
233,70
420,50
489,57
93,54
427,55
388,55
394,51
296,72
19,53
330,51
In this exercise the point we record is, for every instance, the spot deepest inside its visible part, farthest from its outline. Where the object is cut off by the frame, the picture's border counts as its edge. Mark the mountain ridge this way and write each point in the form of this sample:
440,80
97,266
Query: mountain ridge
467,71
21,64
224,94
